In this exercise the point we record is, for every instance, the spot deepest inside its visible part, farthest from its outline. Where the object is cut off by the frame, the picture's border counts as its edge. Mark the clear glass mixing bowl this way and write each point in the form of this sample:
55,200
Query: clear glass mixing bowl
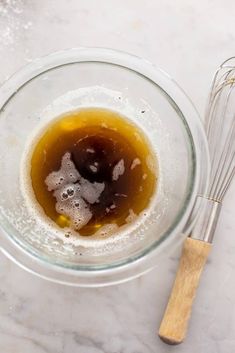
93,77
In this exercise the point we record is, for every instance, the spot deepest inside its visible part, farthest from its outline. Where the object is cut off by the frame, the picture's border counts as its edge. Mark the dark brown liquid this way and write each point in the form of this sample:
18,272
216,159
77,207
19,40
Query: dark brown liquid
97,141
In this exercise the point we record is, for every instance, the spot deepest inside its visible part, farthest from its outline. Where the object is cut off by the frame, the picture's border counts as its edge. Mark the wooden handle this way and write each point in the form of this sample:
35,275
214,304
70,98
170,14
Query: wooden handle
175,321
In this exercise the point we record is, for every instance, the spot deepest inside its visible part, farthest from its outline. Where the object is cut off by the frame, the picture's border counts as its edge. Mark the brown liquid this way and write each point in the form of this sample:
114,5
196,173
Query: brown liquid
97,140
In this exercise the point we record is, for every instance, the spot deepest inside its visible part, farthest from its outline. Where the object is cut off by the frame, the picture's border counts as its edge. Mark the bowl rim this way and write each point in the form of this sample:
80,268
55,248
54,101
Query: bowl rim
146,258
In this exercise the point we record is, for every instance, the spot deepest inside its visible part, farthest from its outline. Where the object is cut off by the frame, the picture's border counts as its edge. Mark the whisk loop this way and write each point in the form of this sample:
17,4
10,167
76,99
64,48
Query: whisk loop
220,129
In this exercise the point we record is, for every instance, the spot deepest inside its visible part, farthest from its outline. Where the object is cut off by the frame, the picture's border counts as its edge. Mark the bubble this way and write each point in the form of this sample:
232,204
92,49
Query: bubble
64,195
70,191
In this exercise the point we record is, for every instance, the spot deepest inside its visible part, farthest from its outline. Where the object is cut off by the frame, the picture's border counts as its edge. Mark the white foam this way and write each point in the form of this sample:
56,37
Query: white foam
67,174
135,162
73,193
106,230
131,217
91,191
77,210
118,170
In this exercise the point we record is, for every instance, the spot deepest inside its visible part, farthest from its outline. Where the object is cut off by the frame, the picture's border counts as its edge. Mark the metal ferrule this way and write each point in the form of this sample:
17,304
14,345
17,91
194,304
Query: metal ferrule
204,228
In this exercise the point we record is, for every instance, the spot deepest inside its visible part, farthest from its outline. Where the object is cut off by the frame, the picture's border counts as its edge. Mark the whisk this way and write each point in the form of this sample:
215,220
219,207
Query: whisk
220,129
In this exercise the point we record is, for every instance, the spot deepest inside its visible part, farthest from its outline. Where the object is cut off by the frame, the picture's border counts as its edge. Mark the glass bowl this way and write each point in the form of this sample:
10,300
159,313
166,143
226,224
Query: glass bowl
95,77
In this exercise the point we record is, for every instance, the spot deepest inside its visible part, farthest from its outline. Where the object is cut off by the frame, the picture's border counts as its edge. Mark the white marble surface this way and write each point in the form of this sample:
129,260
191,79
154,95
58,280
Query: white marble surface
188,39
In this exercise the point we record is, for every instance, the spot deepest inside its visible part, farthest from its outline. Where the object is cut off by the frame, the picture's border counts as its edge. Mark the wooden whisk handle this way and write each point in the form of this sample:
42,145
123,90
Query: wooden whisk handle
174,324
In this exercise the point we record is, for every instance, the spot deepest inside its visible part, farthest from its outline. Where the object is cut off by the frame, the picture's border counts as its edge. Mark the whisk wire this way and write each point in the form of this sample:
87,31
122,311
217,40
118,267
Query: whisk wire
222,158
220,129
227,183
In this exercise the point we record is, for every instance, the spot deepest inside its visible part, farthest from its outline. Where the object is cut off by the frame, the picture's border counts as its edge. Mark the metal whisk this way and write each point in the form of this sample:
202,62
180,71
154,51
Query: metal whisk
220,129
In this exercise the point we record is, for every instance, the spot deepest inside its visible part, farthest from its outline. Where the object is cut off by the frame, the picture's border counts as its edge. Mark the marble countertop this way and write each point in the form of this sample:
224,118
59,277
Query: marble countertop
188,39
